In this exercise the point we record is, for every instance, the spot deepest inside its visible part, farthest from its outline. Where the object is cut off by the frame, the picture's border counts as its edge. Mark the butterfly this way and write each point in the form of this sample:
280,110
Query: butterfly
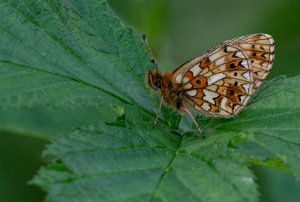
220,81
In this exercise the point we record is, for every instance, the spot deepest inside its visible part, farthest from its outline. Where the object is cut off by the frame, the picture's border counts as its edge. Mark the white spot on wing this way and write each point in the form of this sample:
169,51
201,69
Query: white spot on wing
246,75
240,54
223,103
196,70
191,92
205,106
185,80
231,49
246,87
244,64
271,49
268,36
209,96
216,77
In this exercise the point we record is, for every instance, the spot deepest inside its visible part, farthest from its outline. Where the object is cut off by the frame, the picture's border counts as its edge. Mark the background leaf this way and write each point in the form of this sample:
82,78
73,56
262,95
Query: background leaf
60,56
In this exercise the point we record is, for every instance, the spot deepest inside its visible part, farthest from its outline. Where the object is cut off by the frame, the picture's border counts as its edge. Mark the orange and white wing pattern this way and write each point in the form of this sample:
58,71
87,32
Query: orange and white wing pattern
221,81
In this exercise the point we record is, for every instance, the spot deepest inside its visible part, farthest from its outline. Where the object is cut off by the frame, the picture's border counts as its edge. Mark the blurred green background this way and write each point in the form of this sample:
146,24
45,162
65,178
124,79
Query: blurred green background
177,31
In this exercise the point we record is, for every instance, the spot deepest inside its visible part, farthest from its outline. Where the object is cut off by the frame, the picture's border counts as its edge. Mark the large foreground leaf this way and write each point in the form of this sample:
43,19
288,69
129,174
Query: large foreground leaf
71,58
112,163
70,70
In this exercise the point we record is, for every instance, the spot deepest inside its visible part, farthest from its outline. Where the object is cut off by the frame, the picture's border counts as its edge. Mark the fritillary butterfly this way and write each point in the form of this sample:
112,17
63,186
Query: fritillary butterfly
220,81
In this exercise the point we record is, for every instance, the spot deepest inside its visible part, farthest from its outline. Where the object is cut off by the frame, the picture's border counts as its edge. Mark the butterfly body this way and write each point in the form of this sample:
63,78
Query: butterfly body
171,92
220,81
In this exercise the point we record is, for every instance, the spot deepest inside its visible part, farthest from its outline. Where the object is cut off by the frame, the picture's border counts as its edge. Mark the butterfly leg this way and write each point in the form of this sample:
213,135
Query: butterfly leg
158,112
192,117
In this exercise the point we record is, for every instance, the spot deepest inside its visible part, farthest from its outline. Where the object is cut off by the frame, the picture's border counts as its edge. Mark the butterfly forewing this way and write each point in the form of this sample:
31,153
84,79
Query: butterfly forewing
221,81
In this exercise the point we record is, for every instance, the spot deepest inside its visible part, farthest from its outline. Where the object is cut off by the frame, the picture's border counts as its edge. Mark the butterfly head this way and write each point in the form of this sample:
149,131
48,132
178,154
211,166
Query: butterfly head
154,80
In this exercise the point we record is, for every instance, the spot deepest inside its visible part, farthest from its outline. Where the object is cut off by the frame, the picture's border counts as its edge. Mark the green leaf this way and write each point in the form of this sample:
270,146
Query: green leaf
65,61
71,71
108,163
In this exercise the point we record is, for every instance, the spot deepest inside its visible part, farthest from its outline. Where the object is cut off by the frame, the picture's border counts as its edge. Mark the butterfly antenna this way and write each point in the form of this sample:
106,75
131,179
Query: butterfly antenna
152,59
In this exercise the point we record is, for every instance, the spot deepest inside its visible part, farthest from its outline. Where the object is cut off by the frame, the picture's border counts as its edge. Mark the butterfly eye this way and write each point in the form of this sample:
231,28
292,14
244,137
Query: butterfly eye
158,82
154,80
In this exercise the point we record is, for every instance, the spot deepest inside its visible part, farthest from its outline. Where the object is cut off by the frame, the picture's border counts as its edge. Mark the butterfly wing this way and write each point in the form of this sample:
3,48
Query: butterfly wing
221,81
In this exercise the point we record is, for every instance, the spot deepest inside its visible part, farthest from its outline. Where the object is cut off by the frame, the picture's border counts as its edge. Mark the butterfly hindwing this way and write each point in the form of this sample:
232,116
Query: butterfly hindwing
260,52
